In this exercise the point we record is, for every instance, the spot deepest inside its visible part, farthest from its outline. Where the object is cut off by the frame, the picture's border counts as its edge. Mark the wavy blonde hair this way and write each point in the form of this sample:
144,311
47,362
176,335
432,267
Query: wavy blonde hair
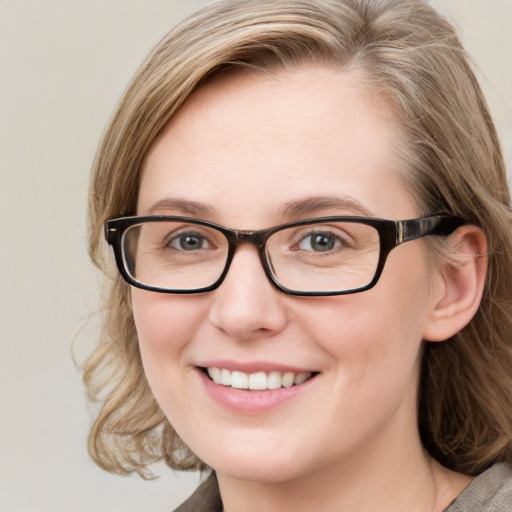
402,49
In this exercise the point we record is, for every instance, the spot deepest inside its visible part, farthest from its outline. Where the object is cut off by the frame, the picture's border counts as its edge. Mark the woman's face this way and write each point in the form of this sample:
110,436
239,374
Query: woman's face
249,152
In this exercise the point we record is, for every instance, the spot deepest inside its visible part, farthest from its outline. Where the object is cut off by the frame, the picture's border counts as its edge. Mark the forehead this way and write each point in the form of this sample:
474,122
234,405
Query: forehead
246,144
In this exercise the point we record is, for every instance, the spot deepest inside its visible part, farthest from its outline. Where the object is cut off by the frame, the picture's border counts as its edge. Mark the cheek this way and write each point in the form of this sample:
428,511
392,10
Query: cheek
164,322
378,332
166,326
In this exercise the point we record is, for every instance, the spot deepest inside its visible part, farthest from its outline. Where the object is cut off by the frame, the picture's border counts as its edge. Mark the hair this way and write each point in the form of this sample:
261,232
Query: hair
401,49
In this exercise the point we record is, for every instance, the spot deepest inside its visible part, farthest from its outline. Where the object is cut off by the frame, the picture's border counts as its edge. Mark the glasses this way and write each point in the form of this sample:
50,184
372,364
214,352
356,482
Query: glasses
314,257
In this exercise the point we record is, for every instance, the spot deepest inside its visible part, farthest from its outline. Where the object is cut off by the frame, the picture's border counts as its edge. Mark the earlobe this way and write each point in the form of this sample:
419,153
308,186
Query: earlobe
463,278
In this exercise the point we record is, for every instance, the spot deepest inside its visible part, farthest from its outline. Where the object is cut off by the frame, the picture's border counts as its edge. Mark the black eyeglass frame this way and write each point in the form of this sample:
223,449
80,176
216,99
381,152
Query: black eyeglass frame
392,233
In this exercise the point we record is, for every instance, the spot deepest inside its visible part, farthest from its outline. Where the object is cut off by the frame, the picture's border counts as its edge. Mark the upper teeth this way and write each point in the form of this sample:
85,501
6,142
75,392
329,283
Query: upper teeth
257,381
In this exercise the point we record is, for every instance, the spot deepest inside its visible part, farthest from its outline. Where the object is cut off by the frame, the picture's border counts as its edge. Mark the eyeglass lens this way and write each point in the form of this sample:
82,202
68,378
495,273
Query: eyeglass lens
327,256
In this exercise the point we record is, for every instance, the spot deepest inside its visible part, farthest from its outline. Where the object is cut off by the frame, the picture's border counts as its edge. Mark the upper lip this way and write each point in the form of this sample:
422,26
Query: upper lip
254,366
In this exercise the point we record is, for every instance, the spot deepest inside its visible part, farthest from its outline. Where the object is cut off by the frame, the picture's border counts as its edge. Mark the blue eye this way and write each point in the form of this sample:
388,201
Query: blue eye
319,242
189,242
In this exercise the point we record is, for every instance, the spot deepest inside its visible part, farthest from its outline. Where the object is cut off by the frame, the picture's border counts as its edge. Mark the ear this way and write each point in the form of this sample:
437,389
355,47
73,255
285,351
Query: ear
461,283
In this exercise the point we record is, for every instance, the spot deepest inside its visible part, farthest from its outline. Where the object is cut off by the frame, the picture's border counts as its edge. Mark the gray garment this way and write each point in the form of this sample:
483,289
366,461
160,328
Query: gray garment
489,492
206,498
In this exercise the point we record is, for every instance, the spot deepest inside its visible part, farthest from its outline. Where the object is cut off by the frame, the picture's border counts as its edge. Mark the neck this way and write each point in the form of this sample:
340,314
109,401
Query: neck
403,478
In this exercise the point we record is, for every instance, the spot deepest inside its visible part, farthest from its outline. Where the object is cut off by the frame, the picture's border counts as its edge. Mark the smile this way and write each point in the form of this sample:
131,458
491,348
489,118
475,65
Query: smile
258,381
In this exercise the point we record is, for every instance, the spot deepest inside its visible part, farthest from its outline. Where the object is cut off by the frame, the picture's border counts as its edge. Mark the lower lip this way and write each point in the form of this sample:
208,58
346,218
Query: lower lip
252,402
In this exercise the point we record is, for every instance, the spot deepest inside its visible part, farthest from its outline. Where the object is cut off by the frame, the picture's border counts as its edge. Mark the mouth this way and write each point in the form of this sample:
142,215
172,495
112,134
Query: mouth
259,381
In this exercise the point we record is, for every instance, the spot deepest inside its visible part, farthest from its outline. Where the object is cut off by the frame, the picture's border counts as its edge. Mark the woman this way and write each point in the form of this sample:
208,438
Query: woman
266,322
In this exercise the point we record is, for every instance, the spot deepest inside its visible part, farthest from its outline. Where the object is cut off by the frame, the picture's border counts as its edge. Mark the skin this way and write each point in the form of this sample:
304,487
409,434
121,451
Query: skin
241,149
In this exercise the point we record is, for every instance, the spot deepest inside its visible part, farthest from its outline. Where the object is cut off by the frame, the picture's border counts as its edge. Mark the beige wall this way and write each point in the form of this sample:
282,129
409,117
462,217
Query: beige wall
63,64
485,29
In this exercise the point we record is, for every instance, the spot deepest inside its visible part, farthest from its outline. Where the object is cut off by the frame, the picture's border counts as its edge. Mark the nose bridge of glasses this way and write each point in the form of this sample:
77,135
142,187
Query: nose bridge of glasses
249,237
255,238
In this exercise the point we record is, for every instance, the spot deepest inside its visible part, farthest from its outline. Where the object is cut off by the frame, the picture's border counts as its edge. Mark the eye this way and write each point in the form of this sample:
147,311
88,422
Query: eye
188,241
320,241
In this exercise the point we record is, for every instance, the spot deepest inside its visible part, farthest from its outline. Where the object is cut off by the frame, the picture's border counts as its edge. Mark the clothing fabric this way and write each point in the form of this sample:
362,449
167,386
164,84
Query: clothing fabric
206,498
491,491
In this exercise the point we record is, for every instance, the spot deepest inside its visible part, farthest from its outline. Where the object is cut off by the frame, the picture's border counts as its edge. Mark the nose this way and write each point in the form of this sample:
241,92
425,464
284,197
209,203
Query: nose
246,305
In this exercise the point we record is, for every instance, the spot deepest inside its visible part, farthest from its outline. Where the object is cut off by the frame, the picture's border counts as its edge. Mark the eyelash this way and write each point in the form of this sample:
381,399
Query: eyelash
177,237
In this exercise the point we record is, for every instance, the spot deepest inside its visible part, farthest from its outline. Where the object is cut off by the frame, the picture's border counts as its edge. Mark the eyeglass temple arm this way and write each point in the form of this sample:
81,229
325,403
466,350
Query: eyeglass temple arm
442,225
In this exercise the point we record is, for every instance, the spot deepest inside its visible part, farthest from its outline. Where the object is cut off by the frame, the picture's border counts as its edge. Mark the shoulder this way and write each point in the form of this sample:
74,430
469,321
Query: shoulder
490,491
206,498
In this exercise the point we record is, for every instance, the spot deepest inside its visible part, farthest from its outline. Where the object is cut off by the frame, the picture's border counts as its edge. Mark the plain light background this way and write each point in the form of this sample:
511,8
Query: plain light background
63,65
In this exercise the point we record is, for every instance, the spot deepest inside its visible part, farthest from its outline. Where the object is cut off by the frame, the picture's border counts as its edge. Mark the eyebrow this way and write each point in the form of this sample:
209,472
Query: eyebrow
182,206
312,205
291,209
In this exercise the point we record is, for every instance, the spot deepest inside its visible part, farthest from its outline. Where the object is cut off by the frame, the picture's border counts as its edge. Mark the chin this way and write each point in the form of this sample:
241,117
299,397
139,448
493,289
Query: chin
260,471
259,465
